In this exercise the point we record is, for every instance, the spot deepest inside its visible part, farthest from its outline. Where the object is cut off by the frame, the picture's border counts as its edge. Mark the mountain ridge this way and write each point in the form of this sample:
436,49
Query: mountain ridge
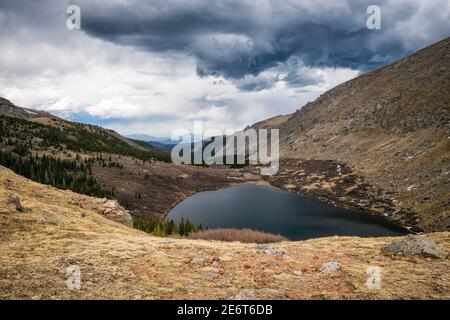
391,127
99,162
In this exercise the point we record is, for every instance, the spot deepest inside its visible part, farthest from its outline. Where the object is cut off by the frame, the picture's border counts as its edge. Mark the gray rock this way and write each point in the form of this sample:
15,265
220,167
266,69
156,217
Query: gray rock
330,266
14,203
415,245
245,294
269,249
112,210
47,220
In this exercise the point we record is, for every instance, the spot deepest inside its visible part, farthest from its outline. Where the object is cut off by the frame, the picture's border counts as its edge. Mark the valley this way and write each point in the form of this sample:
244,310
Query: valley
377,144
103,162
56,229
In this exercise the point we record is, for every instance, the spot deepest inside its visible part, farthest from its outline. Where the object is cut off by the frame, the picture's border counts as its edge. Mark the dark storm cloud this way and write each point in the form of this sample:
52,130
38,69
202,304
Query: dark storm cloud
238,38
257,84
297,79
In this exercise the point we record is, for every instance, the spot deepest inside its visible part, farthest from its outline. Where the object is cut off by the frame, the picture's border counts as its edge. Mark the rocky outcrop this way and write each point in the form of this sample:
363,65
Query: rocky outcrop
269,249
7,108
14,203
414,245
112,210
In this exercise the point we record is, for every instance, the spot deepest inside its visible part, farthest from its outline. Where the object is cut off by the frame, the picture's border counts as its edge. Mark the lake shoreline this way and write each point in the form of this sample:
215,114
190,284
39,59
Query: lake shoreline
315,218
258,180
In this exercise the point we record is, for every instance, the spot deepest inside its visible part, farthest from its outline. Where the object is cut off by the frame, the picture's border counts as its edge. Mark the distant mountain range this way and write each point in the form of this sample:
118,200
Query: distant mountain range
165,143
164,140
148,138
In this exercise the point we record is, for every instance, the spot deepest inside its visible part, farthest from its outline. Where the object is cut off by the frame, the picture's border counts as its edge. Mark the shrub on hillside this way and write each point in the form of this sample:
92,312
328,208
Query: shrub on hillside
164,228
241,235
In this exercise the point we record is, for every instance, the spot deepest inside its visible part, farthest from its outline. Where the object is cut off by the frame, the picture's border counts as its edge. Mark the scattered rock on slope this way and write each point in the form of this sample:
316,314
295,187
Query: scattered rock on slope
14,203
330,266
269,249
245,294
252,294
112,210
414,245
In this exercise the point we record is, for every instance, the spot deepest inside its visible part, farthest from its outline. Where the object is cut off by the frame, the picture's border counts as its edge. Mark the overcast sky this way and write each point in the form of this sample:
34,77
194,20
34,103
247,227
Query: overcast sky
155,66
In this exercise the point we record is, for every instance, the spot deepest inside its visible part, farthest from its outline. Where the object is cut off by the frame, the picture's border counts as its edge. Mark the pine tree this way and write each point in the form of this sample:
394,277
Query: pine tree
181,229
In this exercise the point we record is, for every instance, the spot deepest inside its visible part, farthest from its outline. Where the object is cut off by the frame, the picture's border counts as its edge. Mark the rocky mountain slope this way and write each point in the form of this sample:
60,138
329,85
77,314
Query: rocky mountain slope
379,142
8,109
44,231
99,162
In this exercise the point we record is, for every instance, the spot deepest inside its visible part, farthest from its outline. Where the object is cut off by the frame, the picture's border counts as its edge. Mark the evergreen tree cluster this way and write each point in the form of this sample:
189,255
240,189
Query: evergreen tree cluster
73,136
108,163
64,174
163,228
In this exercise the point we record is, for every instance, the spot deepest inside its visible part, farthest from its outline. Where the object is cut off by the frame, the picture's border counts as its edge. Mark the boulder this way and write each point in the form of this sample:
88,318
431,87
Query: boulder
415,245
14,203
269,249
47,220
112,210
244,294
330,266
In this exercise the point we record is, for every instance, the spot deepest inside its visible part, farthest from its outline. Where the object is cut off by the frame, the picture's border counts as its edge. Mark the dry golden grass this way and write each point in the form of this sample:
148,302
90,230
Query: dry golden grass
240,235
60,228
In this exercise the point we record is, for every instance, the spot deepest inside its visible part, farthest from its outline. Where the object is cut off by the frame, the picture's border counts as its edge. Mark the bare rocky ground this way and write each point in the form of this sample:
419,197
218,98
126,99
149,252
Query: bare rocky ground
55,229
337,184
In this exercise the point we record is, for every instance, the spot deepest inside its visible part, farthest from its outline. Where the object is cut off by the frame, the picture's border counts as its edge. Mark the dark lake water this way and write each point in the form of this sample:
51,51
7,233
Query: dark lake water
276,211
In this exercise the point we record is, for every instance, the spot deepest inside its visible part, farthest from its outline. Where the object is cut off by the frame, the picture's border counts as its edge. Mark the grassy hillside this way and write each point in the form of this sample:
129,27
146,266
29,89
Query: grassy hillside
71,136
56,229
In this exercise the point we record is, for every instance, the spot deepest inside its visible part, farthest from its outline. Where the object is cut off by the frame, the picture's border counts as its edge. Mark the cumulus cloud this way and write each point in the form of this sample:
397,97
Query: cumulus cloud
256,83
155,66
292,73
234,39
